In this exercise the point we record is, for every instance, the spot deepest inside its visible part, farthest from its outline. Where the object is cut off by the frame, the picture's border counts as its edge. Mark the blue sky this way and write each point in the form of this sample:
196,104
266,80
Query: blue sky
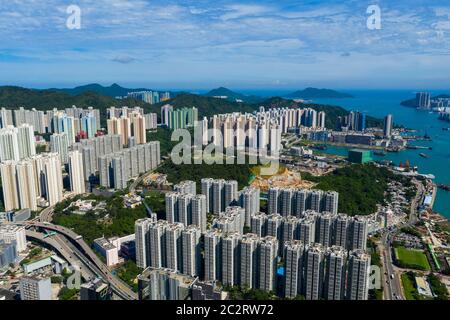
239,44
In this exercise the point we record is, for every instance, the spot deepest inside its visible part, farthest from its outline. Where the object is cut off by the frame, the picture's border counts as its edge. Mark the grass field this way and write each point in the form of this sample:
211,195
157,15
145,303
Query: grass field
408,287
410,258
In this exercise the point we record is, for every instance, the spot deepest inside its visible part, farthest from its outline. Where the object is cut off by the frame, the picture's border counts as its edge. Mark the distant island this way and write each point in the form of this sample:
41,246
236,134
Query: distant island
413,102
112,91
314,93
228,94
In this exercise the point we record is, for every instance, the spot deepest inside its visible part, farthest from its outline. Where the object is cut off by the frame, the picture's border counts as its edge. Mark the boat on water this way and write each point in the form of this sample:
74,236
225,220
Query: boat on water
444,187
423,155
446,129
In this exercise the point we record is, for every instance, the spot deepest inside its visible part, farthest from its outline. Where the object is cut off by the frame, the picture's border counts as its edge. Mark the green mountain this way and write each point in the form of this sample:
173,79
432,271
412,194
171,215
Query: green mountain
332,112
207,106
15,97
412,102
232,95
314,93
113,90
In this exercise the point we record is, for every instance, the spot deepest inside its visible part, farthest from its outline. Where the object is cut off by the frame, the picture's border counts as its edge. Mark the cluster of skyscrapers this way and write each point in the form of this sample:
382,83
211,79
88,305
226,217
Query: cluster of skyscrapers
324,228
38,180
26,181
219,194
322,252
17,143
151,97
162,244
423,100
242,132
116,169
181,118
186,208
92,149
330,273
72,120
131,126
290,201
354,121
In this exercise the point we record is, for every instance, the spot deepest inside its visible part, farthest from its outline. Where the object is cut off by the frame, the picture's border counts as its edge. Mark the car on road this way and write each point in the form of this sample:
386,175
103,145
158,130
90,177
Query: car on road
392,276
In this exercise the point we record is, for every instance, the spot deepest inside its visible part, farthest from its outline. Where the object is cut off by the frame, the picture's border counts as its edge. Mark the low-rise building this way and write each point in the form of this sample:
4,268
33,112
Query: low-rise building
423,287
107,250
95,290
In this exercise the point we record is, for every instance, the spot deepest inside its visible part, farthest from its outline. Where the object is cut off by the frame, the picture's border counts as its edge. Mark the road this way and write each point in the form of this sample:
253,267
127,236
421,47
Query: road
414,215
46,214
58,244
392,287
87,255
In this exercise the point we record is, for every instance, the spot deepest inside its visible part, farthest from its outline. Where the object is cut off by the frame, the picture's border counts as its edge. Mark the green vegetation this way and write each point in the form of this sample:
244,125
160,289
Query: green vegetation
411,259
374,254
408,282
207,106
244,293
360,187
332,112
439,289
156,201
162,135
35,252
68,294
372,248
116,221
40,148
412,231
15,97
233,96
56,279
97,97
195,172
314,93
128,272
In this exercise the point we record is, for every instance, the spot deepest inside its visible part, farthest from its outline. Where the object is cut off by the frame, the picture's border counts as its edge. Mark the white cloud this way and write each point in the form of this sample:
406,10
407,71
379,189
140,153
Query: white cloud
242,10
